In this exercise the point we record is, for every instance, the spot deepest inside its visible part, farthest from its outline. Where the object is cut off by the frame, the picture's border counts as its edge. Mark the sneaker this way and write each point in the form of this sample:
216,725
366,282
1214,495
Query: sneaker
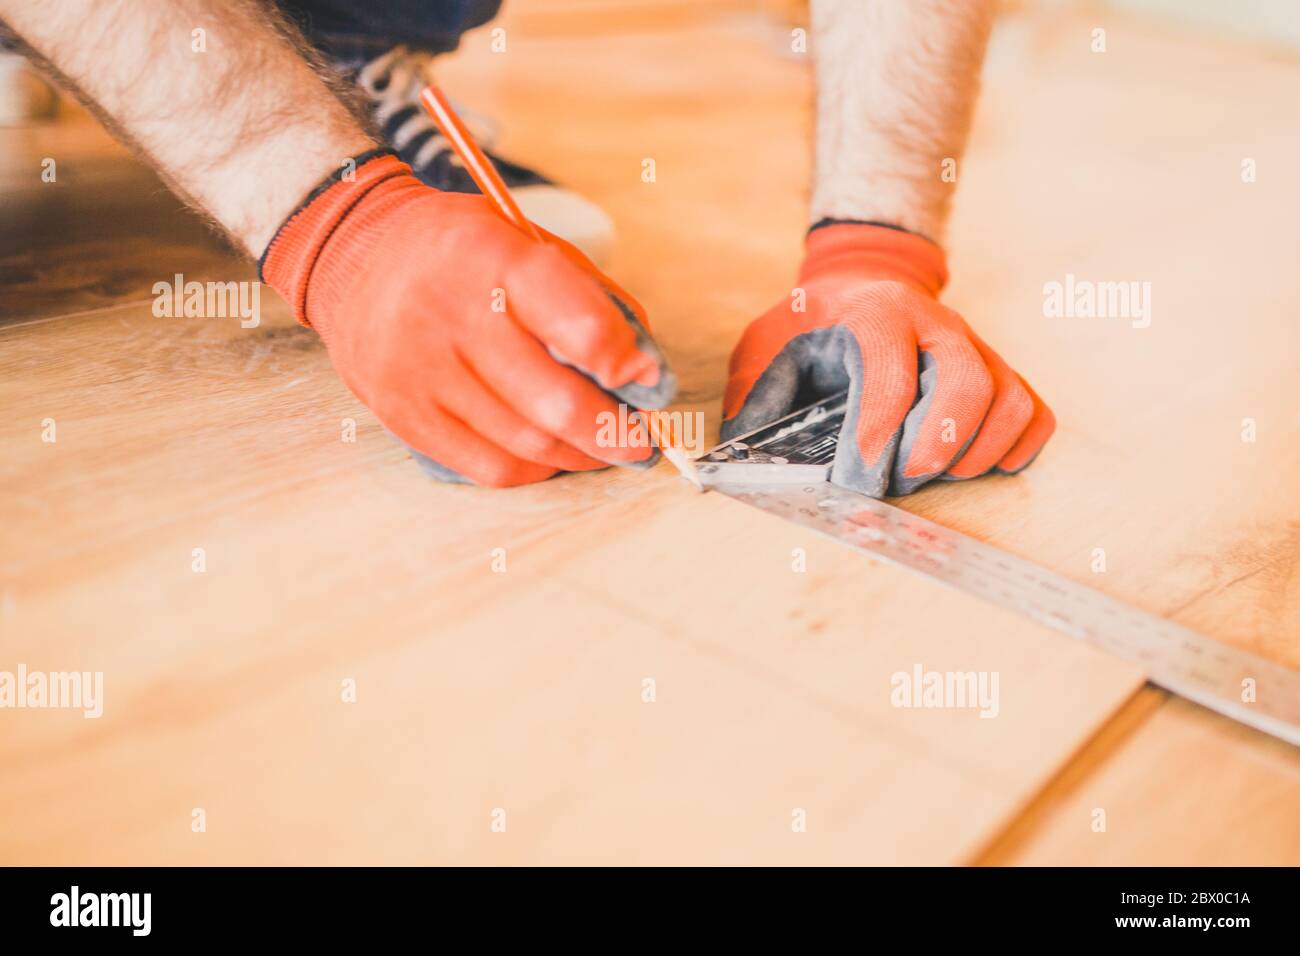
25,96
393,83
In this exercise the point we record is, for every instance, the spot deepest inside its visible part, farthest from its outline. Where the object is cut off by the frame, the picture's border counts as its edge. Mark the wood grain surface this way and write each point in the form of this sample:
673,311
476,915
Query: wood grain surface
523,691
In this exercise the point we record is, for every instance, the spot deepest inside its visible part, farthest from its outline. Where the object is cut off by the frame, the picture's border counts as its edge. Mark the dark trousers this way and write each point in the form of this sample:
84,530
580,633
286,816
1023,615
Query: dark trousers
345,29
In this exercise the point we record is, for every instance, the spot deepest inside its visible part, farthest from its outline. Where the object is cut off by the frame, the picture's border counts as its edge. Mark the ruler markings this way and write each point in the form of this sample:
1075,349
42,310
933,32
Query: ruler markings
1174,657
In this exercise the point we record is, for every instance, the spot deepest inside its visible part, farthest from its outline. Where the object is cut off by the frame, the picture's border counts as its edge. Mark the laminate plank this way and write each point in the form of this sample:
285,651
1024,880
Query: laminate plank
100,233
327,560
1171,785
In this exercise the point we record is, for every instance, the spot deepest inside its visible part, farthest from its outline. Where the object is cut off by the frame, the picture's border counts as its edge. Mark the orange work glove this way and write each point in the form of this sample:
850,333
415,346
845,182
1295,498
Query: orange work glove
927,398
490,354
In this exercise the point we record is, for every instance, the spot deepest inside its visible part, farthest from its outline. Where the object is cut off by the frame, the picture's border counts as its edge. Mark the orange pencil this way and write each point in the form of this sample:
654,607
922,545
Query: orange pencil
489,182
480,168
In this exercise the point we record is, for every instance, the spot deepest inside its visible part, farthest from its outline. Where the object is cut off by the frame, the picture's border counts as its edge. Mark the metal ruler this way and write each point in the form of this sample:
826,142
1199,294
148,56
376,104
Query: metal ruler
783,469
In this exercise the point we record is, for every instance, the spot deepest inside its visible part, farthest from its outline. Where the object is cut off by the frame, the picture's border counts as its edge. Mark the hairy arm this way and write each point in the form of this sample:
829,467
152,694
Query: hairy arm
238,118
927,398
896,87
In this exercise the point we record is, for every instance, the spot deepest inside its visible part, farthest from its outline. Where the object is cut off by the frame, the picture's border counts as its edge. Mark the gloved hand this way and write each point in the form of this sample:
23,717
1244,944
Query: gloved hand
927,398
488,353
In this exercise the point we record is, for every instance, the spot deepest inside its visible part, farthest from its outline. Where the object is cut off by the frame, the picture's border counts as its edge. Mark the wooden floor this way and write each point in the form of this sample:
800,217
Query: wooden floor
519,696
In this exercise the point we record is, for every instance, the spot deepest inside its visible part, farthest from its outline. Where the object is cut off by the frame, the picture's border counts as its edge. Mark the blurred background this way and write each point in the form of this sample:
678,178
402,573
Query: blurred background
26,97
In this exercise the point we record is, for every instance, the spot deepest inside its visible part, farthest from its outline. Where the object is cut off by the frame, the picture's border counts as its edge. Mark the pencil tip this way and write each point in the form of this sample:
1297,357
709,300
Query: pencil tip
683,464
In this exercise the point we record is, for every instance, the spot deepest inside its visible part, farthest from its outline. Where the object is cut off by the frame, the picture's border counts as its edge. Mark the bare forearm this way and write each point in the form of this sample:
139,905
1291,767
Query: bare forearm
235,118
896,86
